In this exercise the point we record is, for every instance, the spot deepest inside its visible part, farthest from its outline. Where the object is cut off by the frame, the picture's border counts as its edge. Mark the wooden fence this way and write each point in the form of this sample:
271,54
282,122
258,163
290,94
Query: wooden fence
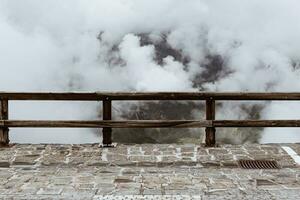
107,123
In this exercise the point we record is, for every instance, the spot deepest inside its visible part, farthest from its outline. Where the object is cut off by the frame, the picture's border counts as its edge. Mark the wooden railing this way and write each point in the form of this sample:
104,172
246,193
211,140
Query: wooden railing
107,123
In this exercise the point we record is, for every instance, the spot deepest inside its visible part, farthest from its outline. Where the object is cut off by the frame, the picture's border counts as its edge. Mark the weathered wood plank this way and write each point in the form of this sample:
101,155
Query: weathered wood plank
4,138
107,131
256,123
210,138
148,123
106,123
99,96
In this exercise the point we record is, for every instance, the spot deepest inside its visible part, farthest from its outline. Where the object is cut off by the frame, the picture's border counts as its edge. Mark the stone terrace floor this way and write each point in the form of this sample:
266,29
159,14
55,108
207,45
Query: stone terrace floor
148,171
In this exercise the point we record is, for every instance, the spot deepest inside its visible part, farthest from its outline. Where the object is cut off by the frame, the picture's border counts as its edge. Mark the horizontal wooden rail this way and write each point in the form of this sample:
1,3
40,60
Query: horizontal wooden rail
256,123
119,96
107,123
210,123
146,123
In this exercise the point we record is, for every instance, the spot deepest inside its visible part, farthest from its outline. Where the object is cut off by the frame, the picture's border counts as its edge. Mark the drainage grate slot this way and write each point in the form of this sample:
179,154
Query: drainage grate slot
258,164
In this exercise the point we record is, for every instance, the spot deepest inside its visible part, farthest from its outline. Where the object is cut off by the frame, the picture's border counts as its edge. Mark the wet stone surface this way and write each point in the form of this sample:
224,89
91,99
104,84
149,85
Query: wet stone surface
148,171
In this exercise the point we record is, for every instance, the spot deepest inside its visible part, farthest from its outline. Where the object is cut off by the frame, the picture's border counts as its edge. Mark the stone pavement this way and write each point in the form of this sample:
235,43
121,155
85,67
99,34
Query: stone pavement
148,171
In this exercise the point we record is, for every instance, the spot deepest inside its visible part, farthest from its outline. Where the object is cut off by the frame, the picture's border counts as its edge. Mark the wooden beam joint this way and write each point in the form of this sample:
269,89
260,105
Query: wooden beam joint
210,138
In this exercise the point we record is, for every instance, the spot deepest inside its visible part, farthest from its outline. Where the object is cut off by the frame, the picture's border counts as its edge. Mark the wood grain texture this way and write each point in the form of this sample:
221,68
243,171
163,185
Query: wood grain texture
106,131
147,123
256,123
100,96
4,138
210,132
106,123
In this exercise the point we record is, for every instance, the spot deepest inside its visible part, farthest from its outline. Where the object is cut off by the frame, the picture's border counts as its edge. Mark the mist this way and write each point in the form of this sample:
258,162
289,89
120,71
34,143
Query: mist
159,45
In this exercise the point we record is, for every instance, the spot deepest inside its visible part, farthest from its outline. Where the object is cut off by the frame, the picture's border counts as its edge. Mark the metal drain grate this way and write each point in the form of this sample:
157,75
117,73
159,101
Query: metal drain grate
258,164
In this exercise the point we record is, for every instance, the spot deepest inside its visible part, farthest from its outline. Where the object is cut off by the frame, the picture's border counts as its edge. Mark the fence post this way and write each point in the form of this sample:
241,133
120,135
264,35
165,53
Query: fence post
106,132
4,139
210,139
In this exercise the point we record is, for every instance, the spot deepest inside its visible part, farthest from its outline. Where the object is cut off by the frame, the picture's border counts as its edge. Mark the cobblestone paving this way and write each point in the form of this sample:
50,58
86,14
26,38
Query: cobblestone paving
145,172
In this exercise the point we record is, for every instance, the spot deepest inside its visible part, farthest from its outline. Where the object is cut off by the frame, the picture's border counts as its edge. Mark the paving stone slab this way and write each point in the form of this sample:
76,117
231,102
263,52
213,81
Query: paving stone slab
149,171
